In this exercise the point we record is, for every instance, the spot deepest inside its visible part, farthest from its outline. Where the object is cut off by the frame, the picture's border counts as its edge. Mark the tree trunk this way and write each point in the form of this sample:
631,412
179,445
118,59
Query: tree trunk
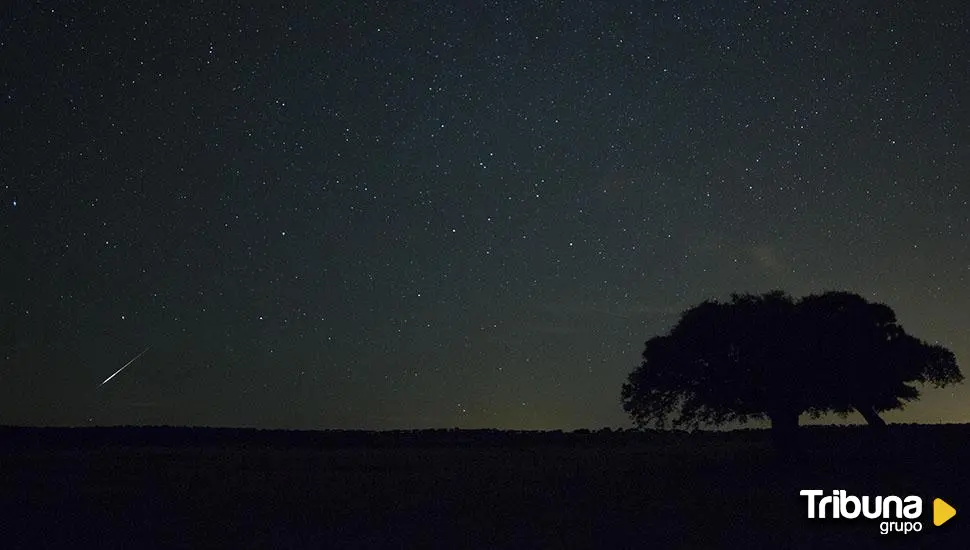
784,429
876,423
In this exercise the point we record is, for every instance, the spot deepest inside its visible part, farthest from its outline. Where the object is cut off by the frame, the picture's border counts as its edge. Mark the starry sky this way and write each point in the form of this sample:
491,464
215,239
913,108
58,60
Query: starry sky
387,215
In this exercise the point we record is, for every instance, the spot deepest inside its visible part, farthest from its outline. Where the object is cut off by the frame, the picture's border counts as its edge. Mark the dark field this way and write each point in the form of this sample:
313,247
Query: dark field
114,488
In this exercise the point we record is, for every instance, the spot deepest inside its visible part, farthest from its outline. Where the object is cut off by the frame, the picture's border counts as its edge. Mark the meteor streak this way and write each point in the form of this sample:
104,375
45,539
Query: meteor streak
135,358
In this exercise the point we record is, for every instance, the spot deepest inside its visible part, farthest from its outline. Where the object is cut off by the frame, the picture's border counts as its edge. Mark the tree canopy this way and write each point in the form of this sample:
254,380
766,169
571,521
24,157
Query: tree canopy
769,355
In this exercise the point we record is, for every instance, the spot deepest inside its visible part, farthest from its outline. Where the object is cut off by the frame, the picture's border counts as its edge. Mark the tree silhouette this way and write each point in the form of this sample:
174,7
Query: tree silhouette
862,359
767,355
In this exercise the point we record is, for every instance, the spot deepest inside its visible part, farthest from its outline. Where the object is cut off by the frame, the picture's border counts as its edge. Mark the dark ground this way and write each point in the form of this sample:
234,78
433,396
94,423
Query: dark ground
150,487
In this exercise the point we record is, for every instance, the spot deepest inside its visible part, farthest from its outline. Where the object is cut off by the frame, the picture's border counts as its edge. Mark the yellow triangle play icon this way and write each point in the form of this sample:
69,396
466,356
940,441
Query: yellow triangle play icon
942,512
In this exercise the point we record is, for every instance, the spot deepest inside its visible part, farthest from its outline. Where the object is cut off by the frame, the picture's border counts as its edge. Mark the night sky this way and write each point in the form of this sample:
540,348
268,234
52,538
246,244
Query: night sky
421,214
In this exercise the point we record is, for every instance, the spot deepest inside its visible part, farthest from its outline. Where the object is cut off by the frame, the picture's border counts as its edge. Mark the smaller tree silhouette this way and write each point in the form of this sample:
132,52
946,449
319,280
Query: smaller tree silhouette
760,356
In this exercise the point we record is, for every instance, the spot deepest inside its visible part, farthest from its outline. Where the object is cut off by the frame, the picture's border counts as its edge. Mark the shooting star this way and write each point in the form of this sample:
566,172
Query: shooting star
135,358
